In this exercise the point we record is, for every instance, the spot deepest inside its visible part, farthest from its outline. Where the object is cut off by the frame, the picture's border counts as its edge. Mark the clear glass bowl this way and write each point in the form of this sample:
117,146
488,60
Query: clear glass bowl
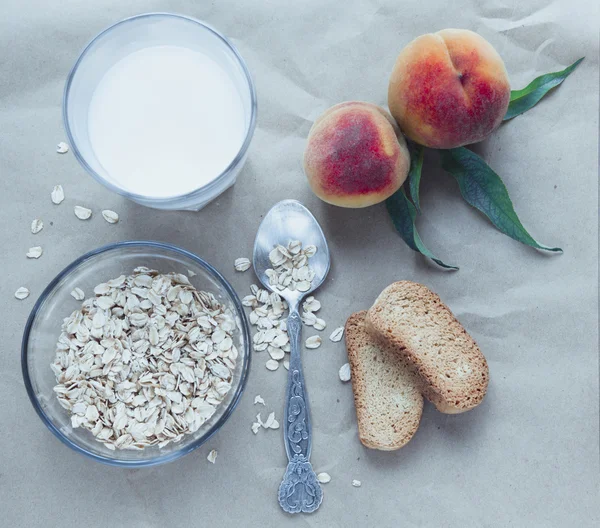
131,35
55,303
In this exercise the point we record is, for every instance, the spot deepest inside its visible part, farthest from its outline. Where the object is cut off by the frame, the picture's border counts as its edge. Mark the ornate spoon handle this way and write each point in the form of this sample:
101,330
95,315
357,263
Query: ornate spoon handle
299,491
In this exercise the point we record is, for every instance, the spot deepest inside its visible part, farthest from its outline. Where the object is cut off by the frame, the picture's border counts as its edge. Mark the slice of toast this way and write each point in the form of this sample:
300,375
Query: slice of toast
410,317
386,393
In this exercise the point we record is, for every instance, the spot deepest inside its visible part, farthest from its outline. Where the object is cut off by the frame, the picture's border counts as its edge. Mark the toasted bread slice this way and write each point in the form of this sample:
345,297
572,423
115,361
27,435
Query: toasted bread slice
386,394
410,317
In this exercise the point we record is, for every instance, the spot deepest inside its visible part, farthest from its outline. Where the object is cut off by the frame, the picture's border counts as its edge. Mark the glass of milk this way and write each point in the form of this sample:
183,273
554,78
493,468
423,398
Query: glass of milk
161,108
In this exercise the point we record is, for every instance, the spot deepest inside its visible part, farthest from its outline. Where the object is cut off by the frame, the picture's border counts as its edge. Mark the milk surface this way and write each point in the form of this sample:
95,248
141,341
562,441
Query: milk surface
165,120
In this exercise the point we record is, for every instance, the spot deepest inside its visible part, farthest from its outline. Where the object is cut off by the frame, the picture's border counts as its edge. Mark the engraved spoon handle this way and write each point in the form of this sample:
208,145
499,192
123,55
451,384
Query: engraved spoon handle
299,491
297,429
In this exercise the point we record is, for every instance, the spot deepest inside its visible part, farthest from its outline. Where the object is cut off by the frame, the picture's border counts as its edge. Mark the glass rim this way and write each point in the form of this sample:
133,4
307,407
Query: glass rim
167,200
106,459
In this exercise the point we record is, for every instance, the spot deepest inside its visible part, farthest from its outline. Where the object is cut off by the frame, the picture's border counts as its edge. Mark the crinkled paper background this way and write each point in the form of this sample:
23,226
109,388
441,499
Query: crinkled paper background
527,457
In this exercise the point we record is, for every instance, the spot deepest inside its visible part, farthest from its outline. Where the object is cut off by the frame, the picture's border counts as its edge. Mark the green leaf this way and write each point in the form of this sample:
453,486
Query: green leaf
414,175
403,214
483,189
528,97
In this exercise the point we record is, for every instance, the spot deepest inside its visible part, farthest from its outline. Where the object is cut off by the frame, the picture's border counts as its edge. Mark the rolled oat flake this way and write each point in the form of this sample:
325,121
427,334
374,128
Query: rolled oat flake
110,216
78,294
241,264
62,148
35,252
345,373
83,213
36,226
313,342
271,364
57,194
22,293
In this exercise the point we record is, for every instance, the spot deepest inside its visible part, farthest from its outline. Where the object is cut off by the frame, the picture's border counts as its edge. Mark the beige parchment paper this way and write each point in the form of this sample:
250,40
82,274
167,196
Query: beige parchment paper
527,457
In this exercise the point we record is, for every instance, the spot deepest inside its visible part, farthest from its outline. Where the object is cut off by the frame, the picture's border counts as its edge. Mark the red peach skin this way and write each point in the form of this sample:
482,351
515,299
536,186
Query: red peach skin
355,156
448,89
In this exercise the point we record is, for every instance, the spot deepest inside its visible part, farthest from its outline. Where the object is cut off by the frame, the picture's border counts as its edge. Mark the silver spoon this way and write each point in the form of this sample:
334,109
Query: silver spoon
300,490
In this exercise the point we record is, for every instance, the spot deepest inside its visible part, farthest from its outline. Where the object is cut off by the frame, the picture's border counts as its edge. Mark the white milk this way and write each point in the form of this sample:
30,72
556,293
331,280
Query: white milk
165,120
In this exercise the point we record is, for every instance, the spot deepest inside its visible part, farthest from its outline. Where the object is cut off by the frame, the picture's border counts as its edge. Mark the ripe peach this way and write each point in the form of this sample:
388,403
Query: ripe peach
355,156
448,89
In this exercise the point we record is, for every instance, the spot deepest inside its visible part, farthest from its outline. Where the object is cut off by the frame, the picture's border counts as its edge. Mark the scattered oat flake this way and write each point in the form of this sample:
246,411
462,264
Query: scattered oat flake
241,264
83,213
324,478
357,483
259,400
269,421
35,252
319,324
309,318
22,293
78,294
36,226
212,456
191,273
255,427
57,194
286,365
271,364
110,216
62,148
344,373
313,342
276,353
337,334
311,305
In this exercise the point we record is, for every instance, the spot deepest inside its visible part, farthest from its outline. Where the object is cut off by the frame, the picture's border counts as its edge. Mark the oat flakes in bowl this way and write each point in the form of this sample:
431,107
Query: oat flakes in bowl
172,376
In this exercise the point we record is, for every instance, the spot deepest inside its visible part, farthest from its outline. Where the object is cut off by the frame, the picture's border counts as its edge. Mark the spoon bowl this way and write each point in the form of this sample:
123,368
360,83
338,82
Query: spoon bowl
288,220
